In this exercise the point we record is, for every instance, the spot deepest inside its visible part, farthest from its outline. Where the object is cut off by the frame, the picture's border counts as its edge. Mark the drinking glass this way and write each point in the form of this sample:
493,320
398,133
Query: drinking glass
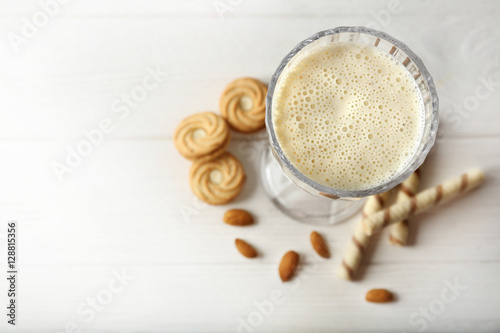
308,201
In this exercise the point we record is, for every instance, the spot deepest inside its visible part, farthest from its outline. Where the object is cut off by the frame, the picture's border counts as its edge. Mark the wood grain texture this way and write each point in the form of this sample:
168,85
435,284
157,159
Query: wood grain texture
128,204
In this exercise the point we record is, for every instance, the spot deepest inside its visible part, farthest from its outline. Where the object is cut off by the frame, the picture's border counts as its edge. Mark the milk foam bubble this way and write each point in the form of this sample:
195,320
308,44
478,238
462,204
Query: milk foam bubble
347,115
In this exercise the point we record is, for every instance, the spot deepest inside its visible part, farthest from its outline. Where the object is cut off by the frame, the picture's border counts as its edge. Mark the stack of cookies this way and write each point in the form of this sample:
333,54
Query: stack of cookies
216,176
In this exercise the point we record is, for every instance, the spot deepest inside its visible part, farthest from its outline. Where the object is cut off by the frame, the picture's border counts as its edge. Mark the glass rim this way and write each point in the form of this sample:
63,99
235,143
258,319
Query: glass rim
392,182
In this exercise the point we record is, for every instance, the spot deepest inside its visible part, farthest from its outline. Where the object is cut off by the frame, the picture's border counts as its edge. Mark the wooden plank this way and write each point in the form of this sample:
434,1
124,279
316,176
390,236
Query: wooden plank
129,189
60,97
290,8
214,298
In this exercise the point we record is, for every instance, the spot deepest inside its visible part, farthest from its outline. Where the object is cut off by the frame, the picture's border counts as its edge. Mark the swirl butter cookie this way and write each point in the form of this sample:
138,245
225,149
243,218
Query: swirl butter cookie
218,181
243,104
202,136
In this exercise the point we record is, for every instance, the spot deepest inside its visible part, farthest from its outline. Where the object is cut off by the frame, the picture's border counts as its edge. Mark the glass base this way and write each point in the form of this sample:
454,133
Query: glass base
297,203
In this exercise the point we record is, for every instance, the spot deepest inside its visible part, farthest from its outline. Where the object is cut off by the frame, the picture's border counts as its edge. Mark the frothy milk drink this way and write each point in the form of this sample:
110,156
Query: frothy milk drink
347,115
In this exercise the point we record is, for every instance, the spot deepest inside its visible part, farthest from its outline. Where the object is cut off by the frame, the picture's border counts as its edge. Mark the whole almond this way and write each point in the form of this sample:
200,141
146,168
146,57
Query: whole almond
238,217
245,249
288,264
319,245
379,296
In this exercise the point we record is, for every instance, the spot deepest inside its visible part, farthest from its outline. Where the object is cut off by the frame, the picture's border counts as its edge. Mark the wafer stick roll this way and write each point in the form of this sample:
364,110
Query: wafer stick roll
407,190
359,241
423,201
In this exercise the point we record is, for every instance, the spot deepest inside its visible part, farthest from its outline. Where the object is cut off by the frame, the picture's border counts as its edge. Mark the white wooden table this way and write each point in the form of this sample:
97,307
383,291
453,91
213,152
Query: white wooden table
126,207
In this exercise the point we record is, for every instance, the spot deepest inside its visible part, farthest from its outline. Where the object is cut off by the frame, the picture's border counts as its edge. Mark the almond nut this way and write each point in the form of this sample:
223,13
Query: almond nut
288,264
245,249
379,296
238,217
319,245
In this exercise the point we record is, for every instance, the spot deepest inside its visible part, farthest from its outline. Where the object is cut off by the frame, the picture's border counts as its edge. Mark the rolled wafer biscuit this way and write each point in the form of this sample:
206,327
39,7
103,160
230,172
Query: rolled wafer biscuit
423,201
360,241
399,231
